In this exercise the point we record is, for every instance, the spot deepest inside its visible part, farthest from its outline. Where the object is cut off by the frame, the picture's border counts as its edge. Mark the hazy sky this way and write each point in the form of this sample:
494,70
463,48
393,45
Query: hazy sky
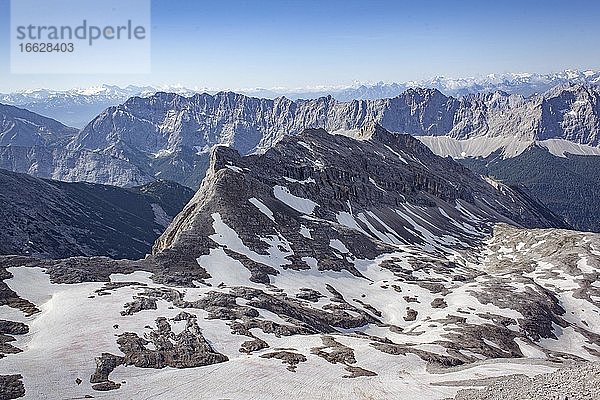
287,43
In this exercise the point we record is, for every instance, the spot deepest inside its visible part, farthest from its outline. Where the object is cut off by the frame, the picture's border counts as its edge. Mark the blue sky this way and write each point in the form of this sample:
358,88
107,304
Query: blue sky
288,43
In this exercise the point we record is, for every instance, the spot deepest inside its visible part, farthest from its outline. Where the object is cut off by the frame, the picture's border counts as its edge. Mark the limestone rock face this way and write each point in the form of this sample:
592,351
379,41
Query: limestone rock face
337,178
11,386
169,136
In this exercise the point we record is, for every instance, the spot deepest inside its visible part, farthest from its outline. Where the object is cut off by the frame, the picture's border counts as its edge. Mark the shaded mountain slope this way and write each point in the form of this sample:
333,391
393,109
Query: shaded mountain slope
568,186
56,219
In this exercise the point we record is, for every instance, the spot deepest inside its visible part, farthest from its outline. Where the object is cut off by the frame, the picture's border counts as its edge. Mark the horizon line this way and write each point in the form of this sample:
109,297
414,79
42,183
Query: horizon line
313,88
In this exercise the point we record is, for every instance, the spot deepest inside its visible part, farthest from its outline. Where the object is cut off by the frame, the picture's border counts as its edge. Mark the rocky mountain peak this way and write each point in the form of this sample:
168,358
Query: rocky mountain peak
383,182
423,93
371,130
398,141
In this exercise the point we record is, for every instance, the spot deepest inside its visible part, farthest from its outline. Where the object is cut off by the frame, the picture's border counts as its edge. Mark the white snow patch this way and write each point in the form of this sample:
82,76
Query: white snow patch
528,350
375,184
300,204
224,269
397,154
583,265
235,168
569,341
278,249
302,182
347,219
262,208
339,246
310,261
561,147
305,145
481,146
304,231
162,153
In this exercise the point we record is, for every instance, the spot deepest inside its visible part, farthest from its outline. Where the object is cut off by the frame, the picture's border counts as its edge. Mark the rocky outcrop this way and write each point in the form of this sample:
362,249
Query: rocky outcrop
105,364
287,357
338,176
7,330
187,349
11,387
184,350
335,352
576,382
9,298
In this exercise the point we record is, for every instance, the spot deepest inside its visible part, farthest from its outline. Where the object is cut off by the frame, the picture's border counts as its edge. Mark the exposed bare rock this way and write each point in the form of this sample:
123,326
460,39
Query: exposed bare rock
356,372
438,302
184,350
433,358
7,330
11,387
183,316
287,357
106,386
309,295
319,320
334,352
13,328
575,382
105,364
9,298
242,328
138,304
253,345
411,315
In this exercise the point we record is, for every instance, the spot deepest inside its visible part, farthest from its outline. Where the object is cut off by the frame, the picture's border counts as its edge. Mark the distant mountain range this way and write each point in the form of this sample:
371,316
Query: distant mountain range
524,84
77,107
169,136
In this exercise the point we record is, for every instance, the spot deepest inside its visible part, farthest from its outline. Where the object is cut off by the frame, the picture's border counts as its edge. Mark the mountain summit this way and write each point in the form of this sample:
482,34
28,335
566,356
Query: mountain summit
384,184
